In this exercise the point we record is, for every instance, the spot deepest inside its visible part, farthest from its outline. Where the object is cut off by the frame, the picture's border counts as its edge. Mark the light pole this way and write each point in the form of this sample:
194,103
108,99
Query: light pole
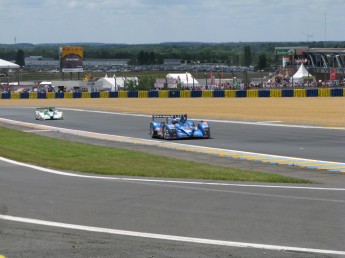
206,87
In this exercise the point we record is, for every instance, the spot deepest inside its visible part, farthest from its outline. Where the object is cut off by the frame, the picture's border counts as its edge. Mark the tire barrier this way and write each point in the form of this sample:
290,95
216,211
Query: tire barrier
324,92
95,94
105,94
196,94
299,93
142,94
337,92
218,94
132,94
275,93
241,93
153,94
86,95
33,95
264,93
230,94
163,94
185,94
15,95
267,93
77,95
122,94
287,93
207,93
252,93
174,93
59,95
50,95
113,94
24,95
312,93
41,95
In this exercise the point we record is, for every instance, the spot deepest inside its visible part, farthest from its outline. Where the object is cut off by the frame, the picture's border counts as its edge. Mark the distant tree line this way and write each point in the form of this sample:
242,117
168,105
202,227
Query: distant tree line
258,54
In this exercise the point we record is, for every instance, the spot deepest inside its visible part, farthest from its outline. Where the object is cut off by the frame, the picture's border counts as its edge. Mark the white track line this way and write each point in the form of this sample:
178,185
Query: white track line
169,237
56,172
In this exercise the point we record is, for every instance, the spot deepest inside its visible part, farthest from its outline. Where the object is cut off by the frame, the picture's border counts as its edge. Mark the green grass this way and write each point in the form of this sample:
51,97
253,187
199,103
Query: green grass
72,156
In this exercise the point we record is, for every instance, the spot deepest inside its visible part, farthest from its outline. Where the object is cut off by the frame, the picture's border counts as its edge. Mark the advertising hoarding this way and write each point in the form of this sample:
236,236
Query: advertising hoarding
71,59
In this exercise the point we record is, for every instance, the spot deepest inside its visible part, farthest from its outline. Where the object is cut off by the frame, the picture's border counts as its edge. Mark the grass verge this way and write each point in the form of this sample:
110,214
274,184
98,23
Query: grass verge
79,157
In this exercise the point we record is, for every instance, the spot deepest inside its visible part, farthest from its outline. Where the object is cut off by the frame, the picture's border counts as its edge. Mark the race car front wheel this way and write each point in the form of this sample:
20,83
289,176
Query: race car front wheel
165,135
152,132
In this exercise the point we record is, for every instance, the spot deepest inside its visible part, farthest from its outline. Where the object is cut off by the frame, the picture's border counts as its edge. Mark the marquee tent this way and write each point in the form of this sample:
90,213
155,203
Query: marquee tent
301,74
7,65
184,79
106,83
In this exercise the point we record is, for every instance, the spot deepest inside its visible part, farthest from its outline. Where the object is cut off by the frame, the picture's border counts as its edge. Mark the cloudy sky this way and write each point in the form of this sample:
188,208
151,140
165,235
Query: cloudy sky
155,21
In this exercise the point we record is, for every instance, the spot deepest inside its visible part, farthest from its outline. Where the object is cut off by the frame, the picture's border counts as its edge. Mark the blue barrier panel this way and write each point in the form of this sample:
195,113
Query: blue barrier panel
6,95
153,94
24,95
264,93
174,93
287,93
113,94
241,94
218,94
77,95
337,92
132,94
312,92
59,95
95,94
196,94
41,95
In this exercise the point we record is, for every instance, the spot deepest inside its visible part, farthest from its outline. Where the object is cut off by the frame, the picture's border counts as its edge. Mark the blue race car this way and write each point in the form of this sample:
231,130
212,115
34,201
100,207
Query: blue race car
170,127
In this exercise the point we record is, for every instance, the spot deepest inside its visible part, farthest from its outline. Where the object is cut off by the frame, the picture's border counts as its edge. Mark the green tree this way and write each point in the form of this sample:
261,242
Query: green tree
247,56
20,58
262,63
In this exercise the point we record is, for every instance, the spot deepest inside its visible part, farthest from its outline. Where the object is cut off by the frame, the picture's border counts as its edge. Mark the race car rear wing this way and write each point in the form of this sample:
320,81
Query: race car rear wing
169,116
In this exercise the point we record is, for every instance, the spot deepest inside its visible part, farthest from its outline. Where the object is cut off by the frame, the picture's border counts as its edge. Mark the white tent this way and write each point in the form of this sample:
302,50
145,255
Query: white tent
301,74
7,65
184,79
107,83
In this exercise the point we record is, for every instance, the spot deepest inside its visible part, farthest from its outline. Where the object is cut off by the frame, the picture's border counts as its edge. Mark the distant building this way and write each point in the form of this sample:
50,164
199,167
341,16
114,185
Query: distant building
172,61
322,62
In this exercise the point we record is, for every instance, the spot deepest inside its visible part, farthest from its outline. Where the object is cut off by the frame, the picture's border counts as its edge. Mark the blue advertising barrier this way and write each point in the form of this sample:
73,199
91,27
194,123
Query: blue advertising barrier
196,94
337,92
95,94
312,93
218,94
132,94
77,95
113,94
153,94
174,93
287,93
24,95
6,95
59,95
241,93
264,93
41,95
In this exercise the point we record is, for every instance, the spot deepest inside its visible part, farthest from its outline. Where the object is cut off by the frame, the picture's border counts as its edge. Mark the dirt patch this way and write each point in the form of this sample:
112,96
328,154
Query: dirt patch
327,111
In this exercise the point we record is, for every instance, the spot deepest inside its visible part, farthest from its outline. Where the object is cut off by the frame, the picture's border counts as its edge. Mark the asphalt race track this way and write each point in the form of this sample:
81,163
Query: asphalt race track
45,213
